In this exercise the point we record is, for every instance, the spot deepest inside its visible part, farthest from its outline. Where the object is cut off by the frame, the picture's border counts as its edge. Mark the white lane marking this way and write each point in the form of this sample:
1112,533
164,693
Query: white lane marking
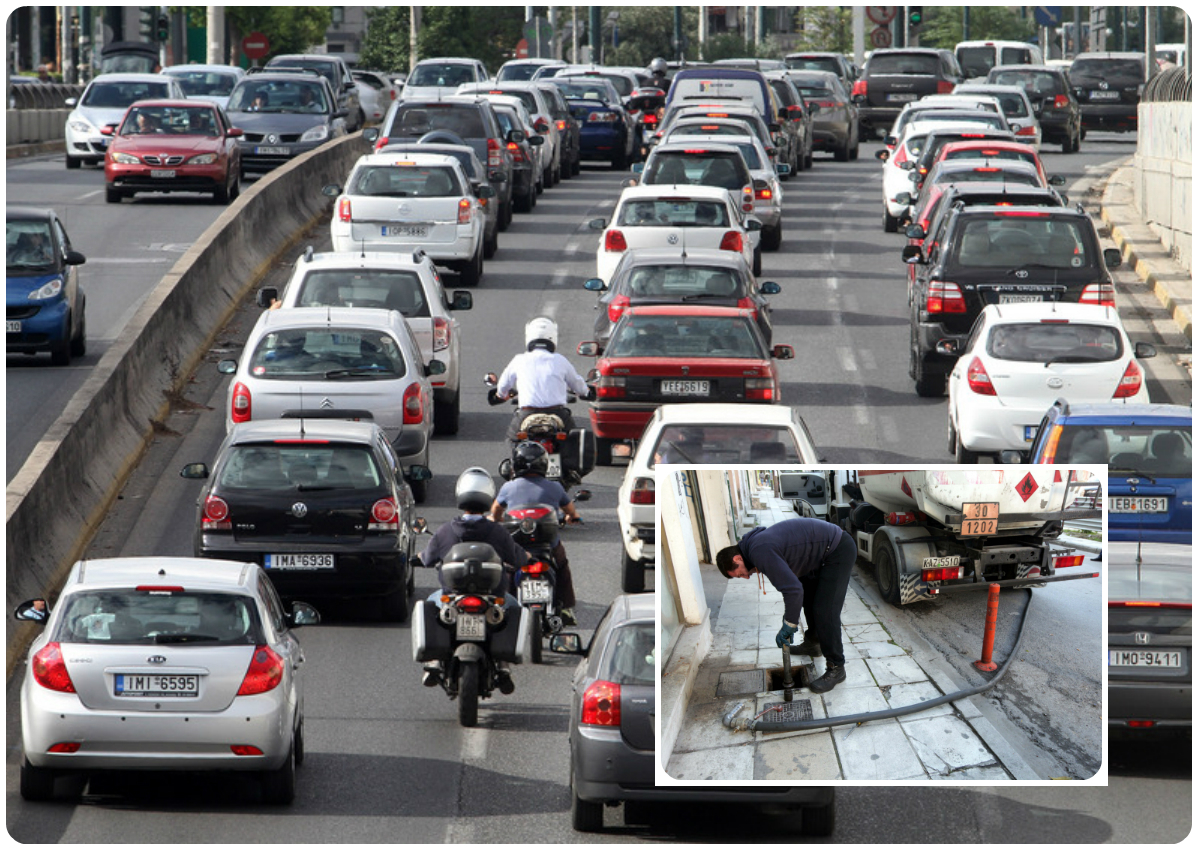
474,747
90,194
862,415
125,261
847,356
868,361
891,433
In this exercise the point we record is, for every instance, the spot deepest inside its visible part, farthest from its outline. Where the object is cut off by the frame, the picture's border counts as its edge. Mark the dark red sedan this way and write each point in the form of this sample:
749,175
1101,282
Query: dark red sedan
677,353
173,146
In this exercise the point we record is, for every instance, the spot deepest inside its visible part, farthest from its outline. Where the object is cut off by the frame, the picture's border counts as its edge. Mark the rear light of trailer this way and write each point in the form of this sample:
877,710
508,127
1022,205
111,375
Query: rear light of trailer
938,574
1068,561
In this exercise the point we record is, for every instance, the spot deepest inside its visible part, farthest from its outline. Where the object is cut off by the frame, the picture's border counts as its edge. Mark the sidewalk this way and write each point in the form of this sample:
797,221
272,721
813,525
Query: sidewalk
949,742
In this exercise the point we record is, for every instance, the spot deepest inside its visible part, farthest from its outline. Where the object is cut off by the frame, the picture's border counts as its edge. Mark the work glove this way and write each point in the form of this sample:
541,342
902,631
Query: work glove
785,634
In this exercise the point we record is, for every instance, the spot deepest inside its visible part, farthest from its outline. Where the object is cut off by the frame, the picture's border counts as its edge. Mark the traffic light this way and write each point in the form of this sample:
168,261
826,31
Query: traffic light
162,28
146,15
915,16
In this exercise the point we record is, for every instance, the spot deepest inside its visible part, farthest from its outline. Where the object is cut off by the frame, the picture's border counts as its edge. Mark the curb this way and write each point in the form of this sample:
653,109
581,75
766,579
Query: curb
35,149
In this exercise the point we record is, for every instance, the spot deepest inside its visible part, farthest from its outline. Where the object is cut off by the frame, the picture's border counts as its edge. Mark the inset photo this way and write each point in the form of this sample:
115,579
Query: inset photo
878,625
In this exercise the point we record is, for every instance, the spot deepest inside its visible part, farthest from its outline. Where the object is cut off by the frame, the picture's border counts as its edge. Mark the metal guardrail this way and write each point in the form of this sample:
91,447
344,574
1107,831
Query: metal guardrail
1091,524
38,95
1174,84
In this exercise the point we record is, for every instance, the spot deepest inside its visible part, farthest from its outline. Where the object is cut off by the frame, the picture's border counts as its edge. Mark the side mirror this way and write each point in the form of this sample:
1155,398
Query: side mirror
566,643
370,134
1112,258
637,168
890,141
628,182
195,470
908,165
947,347
914,232
419,526
435,368
235,133
903,198
589,349
303,615
598,224
783,169
536,140
418,473
36,610
770,288
912,254
71,102
774,127
1144,350
485,191
461,300
107,130
265,296
74,258
882,154
506,469
331,190
541,127
783,352
753,225
517,136
227,367
583,495
1058,180
595,285
1013,457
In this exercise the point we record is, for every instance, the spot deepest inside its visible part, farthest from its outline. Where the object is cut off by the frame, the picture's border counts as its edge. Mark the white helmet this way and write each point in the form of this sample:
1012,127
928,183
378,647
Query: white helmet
474,492
541,329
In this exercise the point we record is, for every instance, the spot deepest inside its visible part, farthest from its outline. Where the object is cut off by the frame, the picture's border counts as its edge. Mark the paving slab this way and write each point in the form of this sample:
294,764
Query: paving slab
946,743
703,729
875,650
979,774
872,632
797,759
718,764
850,701
907,694
893,670
876,752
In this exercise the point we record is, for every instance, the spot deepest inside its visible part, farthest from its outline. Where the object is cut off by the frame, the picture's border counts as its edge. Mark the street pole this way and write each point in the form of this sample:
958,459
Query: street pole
858,33
215,23
966,23
594,34
555,42
677,31
574,35
414,26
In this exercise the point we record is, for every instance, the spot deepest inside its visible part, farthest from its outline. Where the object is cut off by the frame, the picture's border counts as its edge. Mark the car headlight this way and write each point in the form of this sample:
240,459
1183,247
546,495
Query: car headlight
203,159
315,134
125,159
80,126
48,290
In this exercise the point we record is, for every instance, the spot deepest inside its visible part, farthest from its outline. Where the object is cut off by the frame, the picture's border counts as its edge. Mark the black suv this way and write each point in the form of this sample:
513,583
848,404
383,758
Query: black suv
283,114
998,255
1108,87
894,77
335,70
1054,103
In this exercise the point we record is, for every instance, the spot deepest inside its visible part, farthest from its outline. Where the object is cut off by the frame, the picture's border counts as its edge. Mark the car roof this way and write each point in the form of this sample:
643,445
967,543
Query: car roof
1051,69
410,158
706,193
722,412
124,77
373,318
1126,412
229,69
1061,311
190,572
19,212
689,311
290,429
627,608
684,257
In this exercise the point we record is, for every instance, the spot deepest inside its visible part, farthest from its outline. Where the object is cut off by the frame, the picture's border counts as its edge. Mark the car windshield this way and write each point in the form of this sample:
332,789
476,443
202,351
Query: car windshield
442,75
104,95
698,168
292,95
157,617
1020,239
1160,451
672,282
328,353
1043,342
322,67
641,336
463,120
405,182
393,289
174,121
210,83
299,466
632,660
724,444
673,213
27,244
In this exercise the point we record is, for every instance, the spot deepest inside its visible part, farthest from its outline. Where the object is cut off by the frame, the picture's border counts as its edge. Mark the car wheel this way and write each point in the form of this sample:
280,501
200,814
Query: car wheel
843,154
928,383
221,194
577,166
536,634
279,785
887,572
808,158
395,605
37,784
585,816
79,339
419,490
854,151
113,196
603,452
445,415
633,574
951,433
468,693
818,821
490,244
236,189
620,161
60,353
962,455
506,216
298,742
890,223
772,238
73,163
470,274
757,265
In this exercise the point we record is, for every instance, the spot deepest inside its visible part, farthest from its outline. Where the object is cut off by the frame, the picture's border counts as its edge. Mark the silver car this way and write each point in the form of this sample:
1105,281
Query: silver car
156,663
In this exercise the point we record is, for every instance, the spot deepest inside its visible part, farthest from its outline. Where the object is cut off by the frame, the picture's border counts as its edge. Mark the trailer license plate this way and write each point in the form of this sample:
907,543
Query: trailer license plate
470,627
980,519
1146,659
1138,505
299,561
684,388
156,686
940,562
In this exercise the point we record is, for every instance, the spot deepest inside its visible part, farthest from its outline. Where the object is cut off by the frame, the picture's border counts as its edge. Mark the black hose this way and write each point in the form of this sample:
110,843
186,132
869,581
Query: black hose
809,724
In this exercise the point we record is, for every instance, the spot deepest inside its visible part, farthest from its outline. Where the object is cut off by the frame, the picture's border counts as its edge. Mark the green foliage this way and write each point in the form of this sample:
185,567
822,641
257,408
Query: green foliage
943,26
646,32
487,33
825,28
385,45
289,29
728,46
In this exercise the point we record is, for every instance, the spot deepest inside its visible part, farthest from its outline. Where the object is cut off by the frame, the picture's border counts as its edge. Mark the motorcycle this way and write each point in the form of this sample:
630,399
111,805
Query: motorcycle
535,527
468,629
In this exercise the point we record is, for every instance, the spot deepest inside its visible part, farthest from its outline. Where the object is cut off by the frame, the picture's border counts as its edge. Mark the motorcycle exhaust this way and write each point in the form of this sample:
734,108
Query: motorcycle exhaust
495,615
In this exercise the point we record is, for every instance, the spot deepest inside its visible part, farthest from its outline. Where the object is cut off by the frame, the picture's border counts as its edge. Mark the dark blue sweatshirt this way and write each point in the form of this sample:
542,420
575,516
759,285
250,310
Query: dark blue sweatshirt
785,552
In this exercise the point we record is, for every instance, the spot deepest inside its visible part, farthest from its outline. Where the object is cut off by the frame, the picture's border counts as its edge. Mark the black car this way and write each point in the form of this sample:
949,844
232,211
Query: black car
568,127
894,77
795,120
341,81
998,255
1109,87
1053,100
283,115
524,159
45,303
321,504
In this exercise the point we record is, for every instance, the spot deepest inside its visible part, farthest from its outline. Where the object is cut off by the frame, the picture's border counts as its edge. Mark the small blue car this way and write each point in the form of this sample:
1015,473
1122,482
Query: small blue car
44,299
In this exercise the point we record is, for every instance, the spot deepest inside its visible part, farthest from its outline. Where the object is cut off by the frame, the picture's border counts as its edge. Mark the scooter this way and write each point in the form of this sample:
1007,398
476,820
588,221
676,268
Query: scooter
535,527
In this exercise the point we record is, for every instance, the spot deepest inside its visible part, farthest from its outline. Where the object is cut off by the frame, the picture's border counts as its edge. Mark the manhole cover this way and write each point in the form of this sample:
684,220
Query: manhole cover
746,682
788,711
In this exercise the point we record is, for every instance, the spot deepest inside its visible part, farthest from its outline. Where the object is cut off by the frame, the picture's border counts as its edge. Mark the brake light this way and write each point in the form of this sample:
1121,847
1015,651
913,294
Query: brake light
935,574
464,211
385,517
1099,294
535,568
1130,383
536,513
50,669
1061,101
159,590
515,150
414,405
1027,130
617,307
1022,214
614,241
382,140
643,492
606,116
240,403
441,333
471,603
761,390
945,297
344,214
650,118
945,87
747,199
494,155
764,194
561,124
732,241
1068,561
610,387
602,704
264,674
216,514
1158,604
860,89
978,379
986,169
1051,448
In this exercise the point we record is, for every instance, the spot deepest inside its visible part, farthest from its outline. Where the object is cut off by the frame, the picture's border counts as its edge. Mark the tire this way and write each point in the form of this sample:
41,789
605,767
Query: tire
492,243
73,163
772,238
279,785
577,166
535,639
757,270
113,196
620,161
633,574
60,354
585,816
79,340
468,694
470,274
843,154
887,575
808,159
961,454
951,434
445,415
818,821
419,490
522,205
854,151
890,223
603,452
236,190
506,215
221,194
395,605
37,784
298,742
927,383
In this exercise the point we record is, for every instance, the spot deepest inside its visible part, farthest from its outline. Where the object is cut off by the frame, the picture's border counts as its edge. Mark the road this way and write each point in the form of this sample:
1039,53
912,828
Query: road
386,758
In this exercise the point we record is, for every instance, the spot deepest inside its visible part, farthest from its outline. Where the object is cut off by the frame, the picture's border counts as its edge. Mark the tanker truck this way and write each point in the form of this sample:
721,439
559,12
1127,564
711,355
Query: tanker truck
930,531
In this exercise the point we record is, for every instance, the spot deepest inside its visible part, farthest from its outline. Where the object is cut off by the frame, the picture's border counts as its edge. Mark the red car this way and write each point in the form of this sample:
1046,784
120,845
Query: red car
173,146
677,353
993,149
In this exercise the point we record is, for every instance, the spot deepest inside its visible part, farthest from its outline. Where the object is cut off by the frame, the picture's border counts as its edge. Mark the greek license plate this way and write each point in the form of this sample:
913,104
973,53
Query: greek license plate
980,519
299,561
1146,659
1030,431
405,230
534,591
901,98
684,388
269,151
162,173
470,627
1017,299
553,466
12,326
940,562
156,686
1138,505
1105,96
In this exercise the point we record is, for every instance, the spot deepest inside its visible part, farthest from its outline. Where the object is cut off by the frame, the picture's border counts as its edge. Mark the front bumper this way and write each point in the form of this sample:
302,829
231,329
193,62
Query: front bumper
186,179
43,325
259,163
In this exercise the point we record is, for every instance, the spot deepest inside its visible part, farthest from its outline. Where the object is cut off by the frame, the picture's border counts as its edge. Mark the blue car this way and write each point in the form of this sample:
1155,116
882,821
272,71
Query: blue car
44,299
605,127
1148,449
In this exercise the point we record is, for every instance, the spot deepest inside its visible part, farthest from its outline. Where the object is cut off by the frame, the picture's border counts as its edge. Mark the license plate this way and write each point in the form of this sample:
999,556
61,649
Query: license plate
1105,96
980,519
940,562
1030,431
553,466
405,230
470,627
299,561
534,591
1146,659
901,98
162,173
1018,298
156,686
1138,505
270,151
12,326
684,388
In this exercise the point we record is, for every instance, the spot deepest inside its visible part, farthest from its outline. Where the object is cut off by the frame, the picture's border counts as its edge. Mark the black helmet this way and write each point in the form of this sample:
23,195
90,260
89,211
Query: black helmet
529,457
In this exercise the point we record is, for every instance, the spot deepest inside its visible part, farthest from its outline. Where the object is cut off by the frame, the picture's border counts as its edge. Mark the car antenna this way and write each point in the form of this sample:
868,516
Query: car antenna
302,412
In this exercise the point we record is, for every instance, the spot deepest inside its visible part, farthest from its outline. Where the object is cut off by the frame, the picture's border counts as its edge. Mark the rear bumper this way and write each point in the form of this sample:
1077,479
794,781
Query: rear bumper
367,569
1108,116
621,424
1166,704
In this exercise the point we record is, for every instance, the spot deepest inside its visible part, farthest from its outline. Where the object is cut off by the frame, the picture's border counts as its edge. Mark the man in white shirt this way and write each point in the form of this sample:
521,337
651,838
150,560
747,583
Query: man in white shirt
541,378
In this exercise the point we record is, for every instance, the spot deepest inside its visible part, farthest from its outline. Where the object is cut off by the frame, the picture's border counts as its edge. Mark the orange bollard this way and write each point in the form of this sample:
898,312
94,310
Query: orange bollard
989,630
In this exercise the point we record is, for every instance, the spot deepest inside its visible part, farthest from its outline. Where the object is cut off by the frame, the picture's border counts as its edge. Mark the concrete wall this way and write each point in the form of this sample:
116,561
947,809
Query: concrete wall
23,126
59,497
1162,170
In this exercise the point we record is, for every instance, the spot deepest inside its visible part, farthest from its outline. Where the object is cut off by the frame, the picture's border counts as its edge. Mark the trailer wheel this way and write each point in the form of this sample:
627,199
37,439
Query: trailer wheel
887,572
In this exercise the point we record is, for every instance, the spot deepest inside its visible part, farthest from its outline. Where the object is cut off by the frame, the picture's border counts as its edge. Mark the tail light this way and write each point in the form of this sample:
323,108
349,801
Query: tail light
610,387
945,298
494,155
264,674
471,603
561,124
216,514
441,333
1061,101
1027,130
614,241
535,568
934,574
246,750
760,390
464,211
650,118
900,519
900,156
344,211
747,302
64,748
240,404
382,140
747,199
1099,294
945,87
1068,561
414,405
535,513
643,492
978,379
617,307
607,116
1051,448
602,704
1157,604
1130,383
764,194
515,150
50,669
385,517
828,104
859,90
732,241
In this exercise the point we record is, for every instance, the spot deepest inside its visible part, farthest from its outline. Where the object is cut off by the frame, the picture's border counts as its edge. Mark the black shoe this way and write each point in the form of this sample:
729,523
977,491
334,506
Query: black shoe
568,617
504,682
832,677
811,647
432,676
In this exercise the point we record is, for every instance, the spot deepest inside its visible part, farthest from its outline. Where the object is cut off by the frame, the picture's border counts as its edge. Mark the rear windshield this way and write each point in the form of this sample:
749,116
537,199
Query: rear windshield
123,94
702,168
584,91
303,466
814,63
976,61
405,182
685,283
394,289
442,74
527,98
724,444
461,119
984,173
992,154
1048,342
673,213
1011,240
684,337
131,617
1164,451
1011,103
1036,83
1108,69
517,72
904,63
210,83
316,353
632,660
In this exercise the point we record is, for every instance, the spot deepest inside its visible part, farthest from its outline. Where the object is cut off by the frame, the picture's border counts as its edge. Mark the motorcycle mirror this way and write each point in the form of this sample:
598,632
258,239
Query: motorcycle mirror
490,379
506,469
566,643
419,526
582,496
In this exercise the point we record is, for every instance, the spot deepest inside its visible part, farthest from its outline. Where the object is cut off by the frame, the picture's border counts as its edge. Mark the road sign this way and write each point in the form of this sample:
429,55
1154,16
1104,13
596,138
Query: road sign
1047,16
881,15
881,37
255,46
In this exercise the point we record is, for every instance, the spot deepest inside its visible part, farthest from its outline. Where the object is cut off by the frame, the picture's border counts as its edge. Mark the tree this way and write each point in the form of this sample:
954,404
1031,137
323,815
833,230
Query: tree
648,31
289,29
487,33
825,28
385,44
943,26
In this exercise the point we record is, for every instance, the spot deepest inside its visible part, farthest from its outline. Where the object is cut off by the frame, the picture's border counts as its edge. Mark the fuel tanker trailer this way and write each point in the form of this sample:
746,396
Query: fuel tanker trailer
932,531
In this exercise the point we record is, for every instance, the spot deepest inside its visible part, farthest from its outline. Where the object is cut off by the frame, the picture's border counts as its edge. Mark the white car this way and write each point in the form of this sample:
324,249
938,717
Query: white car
207,82
105,101
674,217
694,433
919,110
397,281
1019,358
164,663
377,91
1018,109
433,79
544,125
404,202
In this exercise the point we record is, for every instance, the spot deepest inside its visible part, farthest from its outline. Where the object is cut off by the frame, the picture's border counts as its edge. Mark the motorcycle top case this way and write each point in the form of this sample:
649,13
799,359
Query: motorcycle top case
472,567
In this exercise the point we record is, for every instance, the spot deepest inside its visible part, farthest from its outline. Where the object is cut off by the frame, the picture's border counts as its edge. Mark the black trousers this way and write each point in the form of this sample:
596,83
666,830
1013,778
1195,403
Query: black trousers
824,595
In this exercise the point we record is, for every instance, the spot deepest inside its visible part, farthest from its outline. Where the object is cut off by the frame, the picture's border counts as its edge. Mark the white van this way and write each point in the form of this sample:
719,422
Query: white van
1170,54
977,58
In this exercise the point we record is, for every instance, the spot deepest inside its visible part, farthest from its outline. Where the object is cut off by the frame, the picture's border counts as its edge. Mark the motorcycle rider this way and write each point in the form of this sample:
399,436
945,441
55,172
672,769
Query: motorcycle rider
658,70
474,493
541,378
530,485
